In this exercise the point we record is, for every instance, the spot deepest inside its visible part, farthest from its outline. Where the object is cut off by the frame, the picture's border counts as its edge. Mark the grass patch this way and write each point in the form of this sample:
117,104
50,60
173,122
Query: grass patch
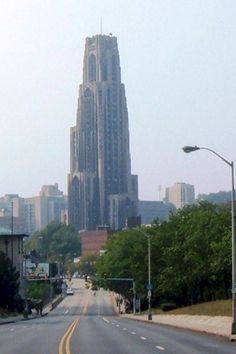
213,308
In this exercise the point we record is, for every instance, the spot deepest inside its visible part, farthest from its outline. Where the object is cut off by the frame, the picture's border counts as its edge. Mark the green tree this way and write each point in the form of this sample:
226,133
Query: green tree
191,240
56,243
87,264
190,256
125,257
9,283
189,262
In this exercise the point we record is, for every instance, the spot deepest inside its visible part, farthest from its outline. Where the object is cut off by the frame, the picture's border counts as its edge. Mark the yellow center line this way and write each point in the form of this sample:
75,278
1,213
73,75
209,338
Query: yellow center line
65,340
69,337
61,345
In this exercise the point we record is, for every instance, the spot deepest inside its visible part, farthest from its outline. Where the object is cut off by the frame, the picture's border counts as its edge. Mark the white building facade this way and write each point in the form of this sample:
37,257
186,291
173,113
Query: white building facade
181,194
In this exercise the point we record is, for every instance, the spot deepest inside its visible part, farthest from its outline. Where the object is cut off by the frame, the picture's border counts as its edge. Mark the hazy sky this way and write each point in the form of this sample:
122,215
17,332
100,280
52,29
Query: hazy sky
178,64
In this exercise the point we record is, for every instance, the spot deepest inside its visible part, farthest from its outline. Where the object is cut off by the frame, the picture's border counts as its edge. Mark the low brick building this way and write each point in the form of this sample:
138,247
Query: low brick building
93,241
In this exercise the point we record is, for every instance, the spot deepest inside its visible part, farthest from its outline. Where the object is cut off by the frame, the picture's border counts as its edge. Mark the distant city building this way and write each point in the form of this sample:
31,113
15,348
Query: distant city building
27,215
12,213
47,207
30,216
101,189
181,194
222,197
51,191
93,241
151,210
133,221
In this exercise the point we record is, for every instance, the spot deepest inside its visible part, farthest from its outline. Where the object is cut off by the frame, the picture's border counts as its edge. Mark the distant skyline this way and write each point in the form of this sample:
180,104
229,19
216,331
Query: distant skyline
178,64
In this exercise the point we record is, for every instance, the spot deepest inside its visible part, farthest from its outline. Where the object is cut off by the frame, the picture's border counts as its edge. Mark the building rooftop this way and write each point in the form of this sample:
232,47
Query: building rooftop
4,230
7,232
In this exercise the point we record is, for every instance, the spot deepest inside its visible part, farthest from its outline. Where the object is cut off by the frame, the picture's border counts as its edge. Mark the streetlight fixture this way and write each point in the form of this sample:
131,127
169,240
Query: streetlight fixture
149,286
188,149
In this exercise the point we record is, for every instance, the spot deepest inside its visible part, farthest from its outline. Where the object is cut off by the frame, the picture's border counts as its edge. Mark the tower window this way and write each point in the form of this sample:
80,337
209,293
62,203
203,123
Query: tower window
92,68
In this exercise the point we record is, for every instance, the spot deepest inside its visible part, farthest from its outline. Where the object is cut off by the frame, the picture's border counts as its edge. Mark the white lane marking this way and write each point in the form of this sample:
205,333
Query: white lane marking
104,319
159,347
66,312
133,332
117,325
124,329
143,338
12,329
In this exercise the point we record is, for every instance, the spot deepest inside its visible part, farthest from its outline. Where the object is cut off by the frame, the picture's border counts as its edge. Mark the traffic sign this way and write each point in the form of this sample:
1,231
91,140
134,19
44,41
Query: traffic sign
149,286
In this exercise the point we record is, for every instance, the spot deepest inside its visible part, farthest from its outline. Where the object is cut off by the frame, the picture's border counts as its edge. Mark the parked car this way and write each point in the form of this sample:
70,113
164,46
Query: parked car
69,291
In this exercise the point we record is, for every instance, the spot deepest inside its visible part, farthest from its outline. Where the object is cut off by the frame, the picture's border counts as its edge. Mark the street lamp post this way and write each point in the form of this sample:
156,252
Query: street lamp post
189,149
149,287
149,280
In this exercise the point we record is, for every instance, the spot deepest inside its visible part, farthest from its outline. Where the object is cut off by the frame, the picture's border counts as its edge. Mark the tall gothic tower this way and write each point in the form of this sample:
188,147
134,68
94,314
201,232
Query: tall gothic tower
101,189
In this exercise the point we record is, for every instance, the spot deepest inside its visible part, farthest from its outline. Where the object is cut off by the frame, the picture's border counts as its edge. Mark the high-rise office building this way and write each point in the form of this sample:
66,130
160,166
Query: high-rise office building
181,194
101,189
150,210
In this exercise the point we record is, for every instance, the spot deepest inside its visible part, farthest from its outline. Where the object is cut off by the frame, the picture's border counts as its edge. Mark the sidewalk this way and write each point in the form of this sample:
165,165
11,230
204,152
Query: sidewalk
13,319
218,325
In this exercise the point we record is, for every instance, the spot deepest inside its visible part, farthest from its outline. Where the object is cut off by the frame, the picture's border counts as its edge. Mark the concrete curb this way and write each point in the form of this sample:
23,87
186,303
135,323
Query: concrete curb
8,321
232,338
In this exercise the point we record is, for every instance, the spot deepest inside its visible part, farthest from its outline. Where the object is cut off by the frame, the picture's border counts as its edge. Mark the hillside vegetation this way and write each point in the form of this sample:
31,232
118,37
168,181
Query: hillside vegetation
213,308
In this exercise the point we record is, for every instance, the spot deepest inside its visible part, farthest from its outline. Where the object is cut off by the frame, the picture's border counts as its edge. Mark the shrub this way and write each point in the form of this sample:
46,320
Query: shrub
38,291
168,306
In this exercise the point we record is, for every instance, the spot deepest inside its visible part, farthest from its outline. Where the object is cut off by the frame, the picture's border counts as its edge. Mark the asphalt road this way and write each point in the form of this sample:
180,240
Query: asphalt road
86,324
